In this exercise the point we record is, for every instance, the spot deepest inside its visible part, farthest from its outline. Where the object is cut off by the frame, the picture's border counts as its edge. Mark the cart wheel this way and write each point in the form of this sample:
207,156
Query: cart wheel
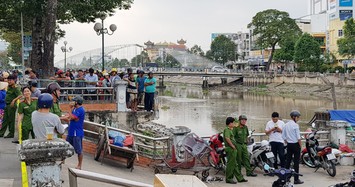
156,171
174,170
99,147
205,174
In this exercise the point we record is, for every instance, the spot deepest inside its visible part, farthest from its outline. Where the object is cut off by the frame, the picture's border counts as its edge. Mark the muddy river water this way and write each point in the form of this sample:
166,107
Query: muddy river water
204,112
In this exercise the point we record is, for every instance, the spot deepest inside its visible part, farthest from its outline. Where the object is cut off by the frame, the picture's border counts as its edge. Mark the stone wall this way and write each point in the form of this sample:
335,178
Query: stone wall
338,80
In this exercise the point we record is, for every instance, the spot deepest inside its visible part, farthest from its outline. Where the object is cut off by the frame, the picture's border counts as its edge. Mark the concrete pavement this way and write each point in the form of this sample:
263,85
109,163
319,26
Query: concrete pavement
10,172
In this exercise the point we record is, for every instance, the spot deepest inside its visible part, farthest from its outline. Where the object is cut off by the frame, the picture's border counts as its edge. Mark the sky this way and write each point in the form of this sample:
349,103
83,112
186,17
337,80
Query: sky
171,20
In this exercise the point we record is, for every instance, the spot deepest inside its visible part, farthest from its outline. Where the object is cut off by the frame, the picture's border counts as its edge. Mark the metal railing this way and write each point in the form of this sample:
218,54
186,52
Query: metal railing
74,174
153,148
324,136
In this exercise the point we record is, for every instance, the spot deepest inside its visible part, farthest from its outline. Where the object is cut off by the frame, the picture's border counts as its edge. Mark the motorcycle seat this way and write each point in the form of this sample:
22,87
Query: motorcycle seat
320,148
256,147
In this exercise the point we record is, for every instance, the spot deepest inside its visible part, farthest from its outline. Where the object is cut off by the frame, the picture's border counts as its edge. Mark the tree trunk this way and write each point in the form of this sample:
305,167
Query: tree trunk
270,57
49,39
37,47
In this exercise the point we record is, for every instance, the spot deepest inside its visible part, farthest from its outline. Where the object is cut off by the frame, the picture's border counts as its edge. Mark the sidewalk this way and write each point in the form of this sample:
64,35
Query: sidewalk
146,175
10,172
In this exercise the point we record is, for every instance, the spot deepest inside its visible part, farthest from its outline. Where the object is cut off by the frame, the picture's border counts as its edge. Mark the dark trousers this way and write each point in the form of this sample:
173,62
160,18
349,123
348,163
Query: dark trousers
148,101
278,149
293,150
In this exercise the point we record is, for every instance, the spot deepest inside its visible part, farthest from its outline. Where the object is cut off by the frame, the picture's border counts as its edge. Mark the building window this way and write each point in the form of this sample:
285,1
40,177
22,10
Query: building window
340,33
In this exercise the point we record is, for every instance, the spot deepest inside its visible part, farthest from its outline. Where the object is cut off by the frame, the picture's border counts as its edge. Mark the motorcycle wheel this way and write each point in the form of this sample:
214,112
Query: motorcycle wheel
211,162
331,170
307,160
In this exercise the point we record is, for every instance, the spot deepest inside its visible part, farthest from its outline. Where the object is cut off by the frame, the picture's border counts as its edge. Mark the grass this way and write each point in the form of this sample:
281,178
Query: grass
165,108
168,93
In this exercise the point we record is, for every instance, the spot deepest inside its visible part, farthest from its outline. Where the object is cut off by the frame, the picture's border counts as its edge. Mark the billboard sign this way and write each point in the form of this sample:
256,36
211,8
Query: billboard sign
345,14
345,3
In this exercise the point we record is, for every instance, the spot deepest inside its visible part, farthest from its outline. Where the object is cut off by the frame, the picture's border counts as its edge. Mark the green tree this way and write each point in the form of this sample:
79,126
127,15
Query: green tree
169,62
196,50
14,47
270,27
347,43
222,50
308,53
140,59
287,50
41,17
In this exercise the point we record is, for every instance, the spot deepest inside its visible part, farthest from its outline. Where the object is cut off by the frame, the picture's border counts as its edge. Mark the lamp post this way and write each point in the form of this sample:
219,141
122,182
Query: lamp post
101,30
65,50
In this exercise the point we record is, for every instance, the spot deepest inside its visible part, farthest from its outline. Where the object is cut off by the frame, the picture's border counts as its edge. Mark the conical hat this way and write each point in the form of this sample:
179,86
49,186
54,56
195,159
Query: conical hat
3,85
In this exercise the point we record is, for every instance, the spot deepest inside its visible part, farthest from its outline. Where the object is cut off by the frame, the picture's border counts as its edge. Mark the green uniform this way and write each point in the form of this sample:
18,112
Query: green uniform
56,109
232,165
10,112
27,127
241,137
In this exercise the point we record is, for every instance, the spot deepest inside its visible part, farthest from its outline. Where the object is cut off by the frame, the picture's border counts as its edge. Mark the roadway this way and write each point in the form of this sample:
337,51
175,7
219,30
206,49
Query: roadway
10,172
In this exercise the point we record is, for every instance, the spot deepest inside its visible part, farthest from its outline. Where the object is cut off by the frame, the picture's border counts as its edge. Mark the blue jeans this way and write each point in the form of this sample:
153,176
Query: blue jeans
278,149
148,101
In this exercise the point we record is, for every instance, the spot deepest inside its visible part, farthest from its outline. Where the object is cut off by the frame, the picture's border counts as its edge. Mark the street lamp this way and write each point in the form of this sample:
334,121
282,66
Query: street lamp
100,29
65,50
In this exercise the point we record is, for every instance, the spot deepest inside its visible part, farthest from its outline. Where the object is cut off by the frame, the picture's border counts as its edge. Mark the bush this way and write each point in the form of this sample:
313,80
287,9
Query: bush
340,69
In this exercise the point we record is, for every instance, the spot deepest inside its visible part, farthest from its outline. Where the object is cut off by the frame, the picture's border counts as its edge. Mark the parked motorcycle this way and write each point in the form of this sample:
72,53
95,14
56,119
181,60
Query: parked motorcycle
284,176
315,156
217,157
260,154
347,184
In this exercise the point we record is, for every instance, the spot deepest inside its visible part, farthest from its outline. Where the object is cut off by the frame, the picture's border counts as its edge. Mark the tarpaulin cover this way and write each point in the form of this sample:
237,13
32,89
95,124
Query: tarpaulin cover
344,115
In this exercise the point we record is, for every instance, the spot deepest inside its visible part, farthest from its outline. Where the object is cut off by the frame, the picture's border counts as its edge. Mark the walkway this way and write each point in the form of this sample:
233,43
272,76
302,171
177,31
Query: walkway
10,173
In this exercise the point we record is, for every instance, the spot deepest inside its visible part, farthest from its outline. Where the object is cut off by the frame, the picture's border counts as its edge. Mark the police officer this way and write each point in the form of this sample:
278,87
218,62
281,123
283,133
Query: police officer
12,95
54,89
241,134
231,150
291,135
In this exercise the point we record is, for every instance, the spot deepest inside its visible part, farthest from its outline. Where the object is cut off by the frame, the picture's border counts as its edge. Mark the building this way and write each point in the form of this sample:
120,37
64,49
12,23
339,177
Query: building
154,50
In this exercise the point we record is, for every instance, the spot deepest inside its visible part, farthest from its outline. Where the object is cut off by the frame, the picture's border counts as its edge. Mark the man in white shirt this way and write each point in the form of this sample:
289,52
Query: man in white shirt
274,131
291,135
91,81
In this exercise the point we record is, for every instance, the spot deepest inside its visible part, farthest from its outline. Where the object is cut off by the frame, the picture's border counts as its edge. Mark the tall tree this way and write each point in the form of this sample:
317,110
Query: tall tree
270,27
287,50
39,16
347,43
196,50
308,53
140,59
222,50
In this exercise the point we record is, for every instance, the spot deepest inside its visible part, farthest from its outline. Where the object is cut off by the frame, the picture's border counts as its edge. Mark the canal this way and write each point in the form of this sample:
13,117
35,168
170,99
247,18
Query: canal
205,111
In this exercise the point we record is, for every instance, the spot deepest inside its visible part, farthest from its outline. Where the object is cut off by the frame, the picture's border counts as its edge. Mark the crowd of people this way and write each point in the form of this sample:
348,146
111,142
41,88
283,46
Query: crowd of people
236,139
32,113
31,110
141,87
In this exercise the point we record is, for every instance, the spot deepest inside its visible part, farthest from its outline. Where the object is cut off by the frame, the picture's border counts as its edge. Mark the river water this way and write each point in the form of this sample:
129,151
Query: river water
204,112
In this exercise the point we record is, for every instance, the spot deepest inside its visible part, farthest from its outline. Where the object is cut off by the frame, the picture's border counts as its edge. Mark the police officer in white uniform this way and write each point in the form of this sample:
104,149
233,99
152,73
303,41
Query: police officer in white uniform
291,135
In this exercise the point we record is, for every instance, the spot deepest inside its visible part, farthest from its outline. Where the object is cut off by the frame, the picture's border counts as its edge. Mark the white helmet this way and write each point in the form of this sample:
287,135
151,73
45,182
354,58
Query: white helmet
264,143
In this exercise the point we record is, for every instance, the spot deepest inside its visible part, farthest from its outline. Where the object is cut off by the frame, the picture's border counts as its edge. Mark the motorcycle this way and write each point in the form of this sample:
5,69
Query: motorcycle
315,156
284,176
347,184
217,157
260,154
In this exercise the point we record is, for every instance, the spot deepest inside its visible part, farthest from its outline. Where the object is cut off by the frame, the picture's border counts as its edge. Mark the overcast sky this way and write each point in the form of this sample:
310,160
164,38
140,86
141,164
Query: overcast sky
170,20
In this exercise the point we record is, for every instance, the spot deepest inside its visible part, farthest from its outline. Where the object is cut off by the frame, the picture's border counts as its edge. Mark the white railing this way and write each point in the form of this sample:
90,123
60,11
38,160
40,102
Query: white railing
74,174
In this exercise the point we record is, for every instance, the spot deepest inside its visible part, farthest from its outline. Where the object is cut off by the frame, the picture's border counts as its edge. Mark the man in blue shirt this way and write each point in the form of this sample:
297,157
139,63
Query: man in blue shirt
140,82
150,87
75,129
